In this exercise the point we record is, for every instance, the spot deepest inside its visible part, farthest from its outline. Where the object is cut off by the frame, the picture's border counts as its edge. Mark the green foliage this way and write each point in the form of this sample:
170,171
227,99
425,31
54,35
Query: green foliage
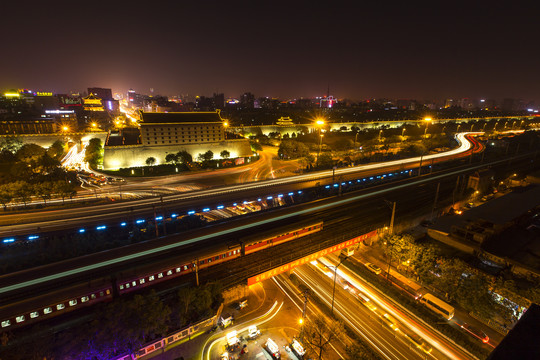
184,157
325,161
56,150
255,146
171,158
151,161
195,303
94,152
225,154
291,149
11,144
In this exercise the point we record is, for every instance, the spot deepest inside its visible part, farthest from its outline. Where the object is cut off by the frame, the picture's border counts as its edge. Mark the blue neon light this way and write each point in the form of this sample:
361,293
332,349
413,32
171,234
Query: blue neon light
159,218
10,240
191,212
290,194
102,227
123,224
269,198
300,191
81,230
327,187
280,195
259,199
336,185
234,204
33,237
174,215
220,207
206,209
140,221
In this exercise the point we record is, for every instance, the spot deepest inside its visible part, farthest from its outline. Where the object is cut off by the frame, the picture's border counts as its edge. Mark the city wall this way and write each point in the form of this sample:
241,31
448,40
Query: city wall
116,157
46,140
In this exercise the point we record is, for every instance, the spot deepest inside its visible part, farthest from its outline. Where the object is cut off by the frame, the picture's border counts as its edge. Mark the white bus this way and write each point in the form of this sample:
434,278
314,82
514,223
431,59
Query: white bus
438,306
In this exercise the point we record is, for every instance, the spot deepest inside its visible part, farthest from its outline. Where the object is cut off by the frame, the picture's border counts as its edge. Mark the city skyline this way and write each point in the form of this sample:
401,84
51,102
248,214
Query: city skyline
283,51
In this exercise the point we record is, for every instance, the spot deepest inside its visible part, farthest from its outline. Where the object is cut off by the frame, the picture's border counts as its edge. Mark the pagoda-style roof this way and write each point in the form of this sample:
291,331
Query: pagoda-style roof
180,117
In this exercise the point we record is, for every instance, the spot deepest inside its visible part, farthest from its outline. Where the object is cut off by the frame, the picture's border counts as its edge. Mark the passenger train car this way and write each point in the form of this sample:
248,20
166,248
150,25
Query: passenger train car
125,284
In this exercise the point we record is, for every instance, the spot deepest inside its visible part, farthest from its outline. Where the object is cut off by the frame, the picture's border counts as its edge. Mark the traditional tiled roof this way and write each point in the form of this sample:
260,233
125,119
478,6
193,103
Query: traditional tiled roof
180,117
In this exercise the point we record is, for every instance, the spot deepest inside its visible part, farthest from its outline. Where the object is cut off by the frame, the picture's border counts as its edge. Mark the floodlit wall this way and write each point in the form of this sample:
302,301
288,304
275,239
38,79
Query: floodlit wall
46,140
116,157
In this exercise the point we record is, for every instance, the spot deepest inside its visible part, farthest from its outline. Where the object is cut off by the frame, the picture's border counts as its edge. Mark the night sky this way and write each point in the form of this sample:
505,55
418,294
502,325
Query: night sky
280,49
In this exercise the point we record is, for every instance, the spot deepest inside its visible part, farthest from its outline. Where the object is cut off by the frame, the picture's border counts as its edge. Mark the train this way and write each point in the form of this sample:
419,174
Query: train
81,295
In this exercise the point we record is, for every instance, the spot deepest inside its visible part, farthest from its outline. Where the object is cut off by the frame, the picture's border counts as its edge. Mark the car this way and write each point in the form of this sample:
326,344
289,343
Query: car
469,205
253,332
373,268
390,321
475,332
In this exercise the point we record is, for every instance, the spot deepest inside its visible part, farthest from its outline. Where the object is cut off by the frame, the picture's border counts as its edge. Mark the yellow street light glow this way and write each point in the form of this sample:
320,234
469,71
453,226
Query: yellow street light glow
94,124
301,321
65,128
428,119
225,124
12,95
319,122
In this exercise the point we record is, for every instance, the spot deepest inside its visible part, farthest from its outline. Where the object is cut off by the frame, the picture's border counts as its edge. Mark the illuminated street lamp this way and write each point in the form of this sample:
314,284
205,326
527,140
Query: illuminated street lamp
427,120
225,125
320,146
65,128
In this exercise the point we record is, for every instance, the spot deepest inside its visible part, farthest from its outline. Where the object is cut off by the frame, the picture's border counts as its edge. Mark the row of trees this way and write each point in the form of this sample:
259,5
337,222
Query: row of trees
23,192
122,326
183,157
461,283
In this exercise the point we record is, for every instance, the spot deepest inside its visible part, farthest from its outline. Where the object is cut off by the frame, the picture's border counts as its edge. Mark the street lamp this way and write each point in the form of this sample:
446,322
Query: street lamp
427,120
320,146
225,125
342,258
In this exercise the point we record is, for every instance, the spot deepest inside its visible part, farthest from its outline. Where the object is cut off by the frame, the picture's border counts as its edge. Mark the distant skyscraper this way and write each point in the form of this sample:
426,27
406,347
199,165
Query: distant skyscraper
247,101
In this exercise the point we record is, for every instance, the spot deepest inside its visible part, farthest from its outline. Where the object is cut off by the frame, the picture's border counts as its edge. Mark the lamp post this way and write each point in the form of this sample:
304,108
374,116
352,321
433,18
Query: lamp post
320,146
427,120
342,258
225,125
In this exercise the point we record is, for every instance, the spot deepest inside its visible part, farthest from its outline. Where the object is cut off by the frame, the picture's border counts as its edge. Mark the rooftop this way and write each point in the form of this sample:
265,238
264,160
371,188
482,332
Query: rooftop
180,117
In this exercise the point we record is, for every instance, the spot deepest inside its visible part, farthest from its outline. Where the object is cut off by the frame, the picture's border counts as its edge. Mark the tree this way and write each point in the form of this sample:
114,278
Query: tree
56,150
64,189
151,161
171,158
30,153
184,157
11,144
94,152
320,332
6,195
255,146
44,190
292,149
22,191
225,154
325,161
46,164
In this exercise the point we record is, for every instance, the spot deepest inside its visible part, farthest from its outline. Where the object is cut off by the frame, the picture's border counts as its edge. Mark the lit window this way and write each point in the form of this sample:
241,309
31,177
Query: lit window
185,267
84,299
121,287
60,306
34,314
169,272
178,269
127,286
72,302
101,293
160,275
151,278
6,323
141,281
93,296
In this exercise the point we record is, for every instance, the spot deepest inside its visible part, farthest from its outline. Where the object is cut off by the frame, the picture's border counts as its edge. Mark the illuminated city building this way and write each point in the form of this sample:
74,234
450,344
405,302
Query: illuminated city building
285,121
181,128
92,103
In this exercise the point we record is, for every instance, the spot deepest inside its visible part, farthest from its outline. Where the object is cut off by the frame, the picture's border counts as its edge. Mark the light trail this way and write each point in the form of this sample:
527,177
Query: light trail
223,232
398,314
268,315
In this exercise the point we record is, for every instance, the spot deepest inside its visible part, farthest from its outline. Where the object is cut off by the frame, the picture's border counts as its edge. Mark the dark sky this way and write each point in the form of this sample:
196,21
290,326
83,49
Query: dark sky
275,48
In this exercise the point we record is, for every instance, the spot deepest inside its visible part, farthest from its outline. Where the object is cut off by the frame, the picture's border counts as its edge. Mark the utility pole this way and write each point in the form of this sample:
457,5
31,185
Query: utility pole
420,167
163,216
155,221
196,266
435,202
392,218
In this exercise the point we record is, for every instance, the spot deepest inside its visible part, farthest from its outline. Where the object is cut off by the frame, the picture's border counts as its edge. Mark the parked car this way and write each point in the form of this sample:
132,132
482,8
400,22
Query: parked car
373,268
